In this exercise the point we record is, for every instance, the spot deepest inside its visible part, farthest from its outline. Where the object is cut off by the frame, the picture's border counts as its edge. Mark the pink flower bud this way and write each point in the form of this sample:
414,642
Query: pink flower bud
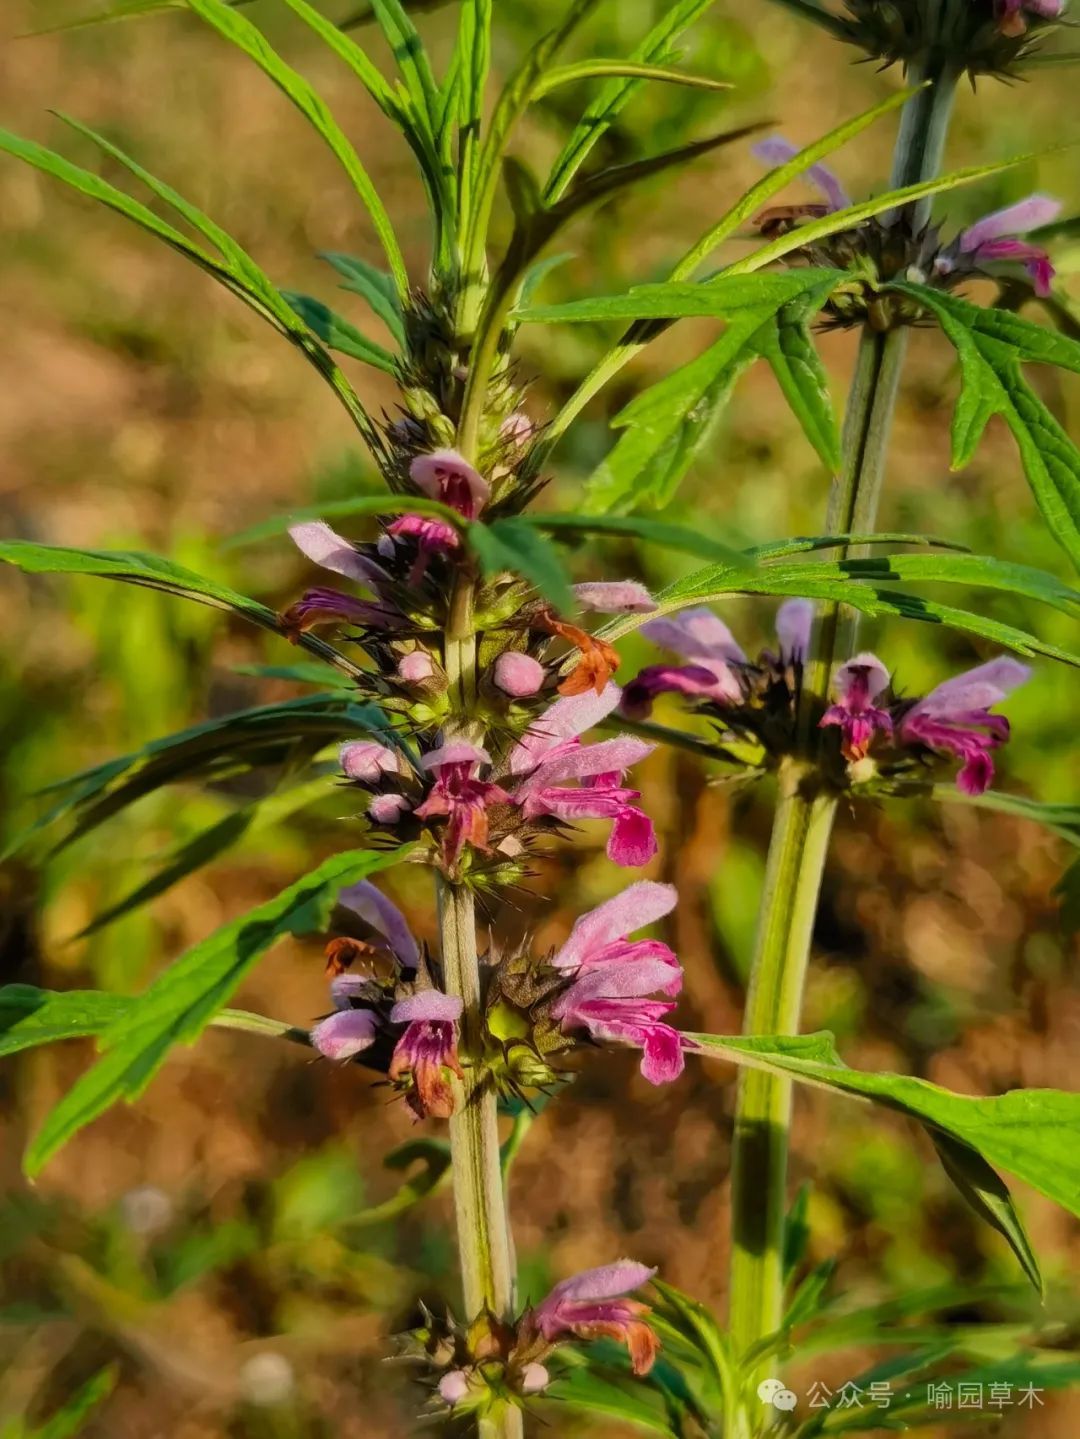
518,674
367,761
416,667
387,808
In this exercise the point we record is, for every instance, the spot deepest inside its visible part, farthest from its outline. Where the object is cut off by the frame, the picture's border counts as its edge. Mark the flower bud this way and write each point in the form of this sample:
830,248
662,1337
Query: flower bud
517,674
368,761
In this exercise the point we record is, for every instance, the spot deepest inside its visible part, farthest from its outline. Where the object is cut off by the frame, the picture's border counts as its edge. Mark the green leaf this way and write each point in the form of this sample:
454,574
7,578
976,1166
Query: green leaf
70,1419
629,69
538,224
135,568
230,744
855,582
991,346
613,97
186,997
988,1195
800,544
1019,1131
473,54
30,1017
237,29
839,220
780,177
373,285
338,334
669,423
515,545
673,537
236,271
666,426
628,1400
205,846
434,1157
721,298
404,40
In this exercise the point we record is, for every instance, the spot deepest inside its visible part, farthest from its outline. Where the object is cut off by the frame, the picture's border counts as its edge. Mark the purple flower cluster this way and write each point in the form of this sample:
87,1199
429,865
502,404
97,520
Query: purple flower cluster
954,720
594,1304
995,239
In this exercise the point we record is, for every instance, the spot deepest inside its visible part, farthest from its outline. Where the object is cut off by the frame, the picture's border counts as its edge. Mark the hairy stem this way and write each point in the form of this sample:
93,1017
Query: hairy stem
805,810
485,1252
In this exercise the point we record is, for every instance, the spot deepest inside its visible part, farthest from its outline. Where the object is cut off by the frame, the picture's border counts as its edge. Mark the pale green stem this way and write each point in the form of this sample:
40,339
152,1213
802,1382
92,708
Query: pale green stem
800,838
804,816
485,1250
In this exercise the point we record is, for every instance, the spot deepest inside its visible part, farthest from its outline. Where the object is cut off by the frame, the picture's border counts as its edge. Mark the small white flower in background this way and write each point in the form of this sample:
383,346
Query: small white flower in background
146,1210
267,1379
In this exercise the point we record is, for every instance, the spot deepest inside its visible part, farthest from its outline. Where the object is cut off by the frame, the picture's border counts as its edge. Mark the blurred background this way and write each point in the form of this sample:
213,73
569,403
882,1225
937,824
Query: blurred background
221,1244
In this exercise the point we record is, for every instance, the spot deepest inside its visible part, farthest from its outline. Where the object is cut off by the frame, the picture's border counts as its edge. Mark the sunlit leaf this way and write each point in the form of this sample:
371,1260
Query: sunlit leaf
237,29
992,345
338,334
186,996
1019,1131
614,96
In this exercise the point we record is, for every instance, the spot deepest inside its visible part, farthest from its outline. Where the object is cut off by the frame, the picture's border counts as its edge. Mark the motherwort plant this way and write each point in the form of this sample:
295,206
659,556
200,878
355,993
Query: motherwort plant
475,713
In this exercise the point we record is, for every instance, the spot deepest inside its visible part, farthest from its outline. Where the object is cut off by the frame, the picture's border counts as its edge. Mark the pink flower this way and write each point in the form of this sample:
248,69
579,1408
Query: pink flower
327,548
857,683
446,476
459,795
955,719
717,666
995,237
517,674
1011,13
322,606
592,1305
618,597
427,1050
349,1031
550,753
367,761
433,537
613,975
374,908
776,151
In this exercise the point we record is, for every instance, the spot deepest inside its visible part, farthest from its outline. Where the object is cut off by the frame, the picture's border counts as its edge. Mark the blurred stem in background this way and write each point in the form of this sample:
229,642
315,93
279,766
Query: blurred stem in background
805,811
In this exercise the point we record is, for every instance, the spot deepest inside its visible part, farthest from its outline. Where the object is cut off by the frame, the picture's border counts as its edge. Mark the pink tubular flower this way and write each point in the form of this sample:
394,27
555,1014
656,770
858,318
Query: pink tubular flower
322,605
592,1305
615,597
776,151
996,237
374,908
518,675
717,665
426,1050
368,761
955,719
446,476
1011,13
613,976
459,795
348,1031
325,547
551,752
857,683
